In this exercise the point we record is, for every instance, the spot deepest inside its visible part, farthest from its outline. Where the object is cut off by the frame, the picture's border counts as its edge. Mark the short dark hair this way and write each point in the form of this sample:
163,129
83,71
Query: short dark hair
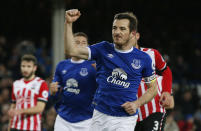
29,57
81,34
129,16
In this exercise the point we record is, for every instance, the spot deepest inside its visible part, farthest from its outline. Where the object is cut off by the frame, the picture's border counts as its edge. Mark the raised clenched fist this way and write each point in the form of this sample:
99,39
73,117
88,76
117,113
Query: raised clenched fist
72,15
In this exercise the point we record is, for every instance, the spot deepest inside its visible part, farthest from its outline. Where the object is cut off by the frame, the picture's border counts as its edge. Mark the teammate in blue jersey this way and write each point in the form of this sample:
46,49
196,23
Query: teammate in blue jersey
73,88
120,68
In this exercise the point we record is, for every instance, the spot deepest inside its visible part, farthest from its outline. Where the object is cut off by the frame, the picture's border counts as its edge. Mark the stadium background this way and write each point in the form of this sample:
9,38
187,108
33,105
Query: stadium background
172,27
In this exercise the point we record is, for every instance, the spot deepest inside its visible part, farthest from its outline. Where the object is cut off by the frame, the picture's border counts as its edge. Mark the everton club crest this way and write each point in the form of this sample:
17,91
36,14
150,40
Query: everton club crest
83,72
136,64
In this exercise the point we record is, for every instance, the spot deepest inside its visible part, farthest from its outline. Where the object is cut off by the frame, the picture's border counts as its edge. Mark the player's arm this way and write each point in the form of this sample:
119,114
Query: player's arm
13,104
54,89
149,94
131,107
40,106
167,80
29,111
166,99
164,70
11,114
69,45
171,104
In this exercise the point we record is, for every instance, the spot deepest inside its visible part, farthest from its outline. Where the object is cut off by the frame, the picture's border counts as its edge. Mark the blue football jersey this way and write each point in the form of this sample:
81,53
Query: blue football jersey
118,76
77,81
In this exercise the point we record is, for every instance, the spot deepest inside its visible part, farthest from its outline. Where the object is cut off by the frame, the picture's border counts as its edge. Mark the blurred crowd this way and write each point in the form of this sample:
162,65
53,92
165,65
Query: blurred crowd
165,26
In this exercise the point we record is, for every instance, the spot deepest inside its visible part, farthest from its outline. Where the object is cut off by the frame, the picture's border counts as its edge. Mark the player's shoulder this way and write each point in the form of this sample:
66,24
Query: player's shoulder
63,62
140,52
90,61
149,50
103,44
40,83
18,81
142,55
39,79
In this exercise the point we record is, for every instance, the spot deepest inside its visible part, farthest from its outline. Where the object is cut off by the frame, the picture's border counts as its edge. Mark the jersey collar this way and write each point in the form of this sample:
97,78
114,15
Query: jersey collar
79,61
125,51
28,80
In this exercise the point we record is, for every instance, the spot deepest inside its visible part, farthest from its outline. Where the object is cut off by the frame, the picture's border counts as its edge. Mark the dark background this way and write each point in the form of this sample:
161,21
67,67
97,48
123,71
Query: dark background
173,27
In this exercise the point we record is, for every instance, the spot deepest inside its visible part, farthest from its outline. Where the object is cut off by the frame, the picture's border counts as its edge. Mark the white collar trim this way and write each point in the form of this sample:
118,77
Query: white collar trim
122,51
79,61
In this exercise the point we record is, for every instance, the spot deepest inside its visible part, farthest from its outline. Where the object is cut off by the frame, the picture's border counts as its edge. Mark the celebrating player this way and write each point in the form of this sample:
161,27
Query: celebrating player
120,68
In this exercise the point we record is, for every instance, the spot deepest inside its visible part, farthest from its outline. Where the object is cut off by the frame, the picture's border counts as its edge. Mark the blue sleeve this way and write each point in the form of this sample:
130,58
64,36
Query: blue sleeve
148,67
95,51
56,78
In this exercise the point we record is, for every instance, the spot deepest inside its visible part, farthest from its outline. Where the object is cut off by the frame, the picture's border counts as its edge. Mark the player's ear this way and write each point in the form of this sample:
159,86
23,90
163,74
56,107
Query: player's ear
133,33
137,35
35,67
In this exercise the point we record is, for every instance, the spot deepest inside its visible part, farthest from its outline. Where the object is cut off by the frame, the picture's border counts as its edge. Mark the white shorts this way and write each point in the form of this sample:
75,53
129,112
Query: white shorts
63,125
103,122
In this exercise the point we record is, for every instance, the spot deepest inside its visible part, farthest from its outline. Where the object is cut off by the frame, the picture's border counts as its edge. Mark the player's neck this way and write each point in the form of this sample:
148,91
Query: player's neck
76,59
125,47
30,78
124,51
137,46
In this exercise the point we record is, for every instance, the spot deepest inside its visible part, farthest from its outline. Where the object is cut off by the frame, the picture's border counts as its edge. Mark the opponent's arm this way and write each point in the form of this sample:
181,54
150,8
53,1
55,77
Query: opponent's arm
69,45
29,111
40,106
170,105
10,114
166,99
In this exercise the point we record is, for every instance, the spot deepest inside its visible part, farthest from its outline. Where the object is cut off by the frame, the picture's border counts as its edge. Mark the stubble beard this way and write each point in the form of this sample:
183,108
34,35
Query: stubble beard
29,76
122,44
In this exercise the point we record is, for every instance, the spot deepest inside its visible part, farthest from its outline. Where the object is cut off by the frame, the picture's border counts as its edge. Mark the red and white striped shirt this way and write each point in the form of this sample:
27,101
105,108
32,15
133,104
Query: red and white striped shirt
26,94
164,84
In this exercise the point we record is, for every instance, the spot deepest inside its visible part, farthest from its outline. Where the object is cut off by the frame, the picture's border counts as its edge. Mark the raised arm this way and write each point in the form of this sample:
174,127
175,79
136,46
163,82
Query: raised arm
69,45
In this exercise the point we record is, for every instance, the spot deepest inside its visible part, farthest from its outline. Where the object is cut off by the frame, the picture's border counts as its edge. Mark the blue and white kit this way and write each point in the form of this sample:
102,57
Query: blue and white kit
77,80
118,76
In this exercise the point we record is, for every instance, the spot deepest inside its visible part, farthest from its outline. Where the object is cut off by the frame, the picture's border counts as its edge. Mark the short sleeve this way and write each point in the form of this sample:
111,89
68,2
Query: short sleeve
57,74
148,72
43,92
160,62
94,50
13,98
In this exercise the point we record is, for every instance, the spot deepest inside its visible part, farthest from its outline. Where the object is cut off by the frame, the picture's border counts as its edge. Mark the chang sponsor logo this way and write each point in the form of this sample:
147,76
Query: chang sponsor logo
71,85
118,77
76,91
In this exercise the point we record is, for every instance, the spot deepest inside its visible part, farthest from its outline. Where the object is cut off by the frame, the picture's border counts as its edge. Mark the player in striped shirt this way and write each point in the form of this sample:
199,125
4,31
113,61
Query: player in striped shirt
29,97
151,116
120,68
